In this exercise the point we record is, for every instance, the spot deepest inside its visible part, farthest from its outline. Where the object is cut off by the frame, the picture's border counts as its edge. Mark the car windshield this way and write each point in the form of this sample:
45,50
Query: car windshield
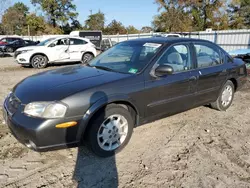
126,57
43,43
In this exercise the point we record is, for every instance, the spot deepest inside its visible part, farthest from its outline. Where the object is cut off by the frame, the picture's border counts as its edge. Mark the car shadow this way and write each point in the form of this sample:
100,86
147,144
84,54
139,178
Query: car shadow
90,170
5,55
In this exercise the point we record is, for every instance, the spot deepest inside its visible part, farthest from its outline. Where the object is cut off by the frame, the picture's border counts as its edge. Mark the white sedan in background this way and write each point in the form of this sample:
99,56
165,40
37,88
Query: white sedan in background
56,50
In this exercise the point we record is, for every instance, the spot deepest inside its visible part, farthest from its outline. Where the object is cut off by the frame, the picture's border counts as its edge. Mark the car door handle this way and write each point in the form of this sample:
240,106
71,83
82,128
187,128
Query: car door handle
193,78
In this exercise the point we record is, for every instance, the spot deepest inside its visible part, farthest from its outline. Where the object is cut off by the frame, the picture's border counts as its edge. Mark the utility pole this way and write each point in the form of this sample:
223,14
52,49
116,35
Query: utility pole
29,31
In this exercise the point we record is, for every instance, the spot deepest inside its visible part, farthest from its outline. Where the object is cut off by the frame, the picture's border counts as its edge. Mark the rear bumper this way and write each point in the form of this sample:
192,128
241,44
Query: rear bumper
41,134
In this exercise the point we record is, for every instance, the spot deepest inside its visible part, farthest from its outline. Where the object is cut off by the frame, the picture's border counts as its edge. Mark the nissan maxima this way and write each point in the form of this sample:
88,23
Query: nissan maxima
133,83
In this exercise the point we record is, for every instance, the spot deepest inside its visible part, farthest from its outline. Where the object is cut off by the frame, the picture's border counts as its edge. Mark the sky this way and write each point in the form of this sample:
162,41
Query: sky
138,13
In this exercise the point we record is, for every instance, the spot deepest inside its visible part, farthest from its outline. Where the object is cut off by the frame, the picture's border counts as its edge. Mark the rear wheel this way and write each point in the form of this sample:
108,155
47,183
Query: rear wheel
87,57
110,131
39,61
225,98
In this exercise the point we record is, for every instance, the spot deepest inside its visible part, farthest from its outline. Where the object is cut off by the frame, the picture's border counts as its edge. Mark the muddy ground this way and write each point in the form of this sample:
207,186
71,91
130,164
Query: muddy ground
198,148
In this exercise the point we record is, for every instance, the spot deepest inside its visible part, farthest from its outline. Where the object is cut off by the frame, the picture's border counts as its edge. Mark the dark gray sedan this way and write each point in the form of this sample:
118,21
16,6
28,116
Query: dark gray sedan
133,83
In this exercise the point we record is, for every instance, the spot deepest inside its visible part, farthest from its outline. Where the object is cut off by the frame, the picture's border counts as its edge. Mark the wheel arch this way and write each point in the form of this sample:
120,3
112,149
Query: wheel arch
38,53
103,103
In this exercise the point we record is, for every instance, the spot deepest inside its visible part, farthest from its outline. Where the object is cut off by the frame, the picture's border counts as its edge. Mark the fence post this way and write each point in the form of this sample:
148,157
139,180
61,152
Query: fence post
215,37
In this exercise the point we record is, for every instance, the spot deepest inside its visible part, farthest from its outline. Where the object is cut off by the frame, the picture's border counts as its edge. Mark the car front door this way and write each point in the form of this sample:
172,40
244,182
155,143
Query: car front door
171,93
59,50
77,48
211,70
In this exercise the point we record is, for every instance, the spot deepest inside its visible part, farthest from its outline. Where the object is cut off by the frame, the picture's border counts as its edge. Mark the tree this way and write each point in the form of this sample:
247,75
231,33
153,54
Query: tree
187,15
164,22
132,30
173,17
146,29
95,21
14,18
36,24
239,14
115,28
207,13
58,11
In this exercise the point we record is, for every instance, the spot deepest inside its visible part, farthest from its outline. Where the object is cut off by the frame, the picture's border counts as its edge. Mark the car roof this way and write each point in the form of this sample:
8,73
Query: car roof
168,40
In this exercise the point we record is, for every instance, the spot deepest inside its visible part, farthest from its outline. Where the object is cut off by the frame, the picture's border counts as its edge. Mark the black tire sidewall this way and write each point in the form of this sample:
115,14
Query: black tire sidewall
89,59
219,101
32,62
9,50
96,123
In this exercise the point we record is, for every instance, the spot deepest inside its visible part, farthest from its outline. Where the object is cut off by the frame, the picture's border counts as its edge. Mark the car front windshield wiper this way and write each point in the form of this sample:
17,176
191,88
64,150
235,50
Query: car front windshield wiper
103,68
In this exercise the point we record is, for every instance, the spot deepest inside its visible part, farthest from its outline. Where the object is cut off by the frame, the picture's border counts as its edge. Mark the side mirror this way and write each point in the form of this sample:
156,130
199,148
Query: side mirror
163,70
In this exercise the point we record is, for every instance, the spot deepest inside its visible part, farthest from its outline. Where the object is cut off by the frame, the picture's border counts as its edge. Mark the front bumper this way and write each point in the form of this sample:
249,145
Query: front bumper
41,134
22,58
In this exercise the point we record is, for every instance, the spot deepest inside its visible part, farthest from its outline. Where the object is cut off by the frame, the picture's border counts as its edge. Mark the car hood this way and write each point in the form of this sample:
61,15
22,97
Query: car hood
28,48
58,84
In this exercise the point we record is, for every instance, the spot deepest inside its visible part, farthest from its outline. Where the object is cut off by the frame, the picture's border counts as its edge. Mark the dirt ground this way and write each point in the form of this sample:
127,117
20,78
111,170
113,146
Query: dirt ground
198,148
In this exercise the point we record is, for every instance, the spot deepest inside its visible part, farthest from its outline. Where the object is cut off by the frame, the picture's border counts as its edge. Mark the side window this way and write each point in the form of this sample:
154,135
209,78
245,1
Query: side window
207,56
60,42
178,57
77,42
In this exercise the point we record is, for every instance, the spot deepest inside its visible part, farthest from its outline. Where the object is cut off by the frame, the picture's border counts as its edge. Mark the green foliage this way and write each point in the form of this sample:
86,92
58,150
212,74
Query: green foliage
132,30
58,11
95,21
146,29
14,18
114,28
239,14
191,15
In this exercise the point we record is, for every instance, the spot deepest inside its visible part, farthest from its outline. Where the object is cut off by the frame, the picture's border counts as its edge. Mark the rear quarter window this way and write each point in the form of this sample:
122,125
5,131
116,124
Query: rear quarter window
207,56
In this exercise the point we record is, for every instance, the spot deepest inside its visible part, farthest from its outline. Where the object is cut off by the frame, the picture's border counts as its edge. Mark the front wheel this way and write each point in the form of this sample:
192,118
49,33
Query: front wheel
9,50
110,131
87,57
225,98
39,61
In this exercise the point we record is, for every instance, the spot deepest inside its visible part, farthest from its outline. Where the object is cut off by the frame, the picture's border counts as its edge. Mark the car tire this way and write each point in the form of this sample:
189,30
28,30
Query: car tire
9,50
39,61
225,98
107,134
87,57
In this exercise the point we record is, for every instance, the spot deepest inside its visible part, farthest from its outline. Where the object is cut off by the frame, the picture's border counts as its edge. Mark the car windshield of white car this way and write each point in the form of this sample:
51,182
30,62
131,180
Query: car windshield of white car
127,57
43,43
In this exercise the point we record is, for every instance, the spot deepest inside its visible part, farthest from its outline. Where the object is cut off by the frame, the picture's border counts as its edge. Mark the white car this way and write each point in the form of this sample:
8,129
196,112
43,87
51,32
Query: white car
55,50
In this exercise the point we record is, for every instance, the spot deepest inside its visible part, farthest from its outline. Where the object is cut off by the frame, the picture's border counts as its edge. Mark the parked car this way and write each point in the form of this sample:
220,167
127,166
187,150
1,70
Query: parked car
13,46
243,54
56,50
130,84
7,40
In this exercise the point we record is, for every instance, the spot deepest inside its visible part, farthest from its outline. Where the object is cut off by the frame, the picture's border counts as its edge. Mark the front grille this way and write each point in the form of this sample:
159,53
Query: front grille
12,104
16,54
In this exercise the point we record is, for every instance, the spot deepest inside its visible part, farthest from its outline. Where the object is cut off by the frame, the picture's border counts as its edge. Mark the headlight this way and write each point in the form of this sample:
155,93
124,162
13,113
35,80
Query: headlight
24,51
46,109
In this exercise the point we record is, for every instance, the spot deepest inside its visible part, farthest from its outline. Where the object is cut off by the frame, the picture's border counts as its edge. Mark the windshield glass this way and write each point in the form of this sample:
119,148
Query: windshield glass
43,43
126,57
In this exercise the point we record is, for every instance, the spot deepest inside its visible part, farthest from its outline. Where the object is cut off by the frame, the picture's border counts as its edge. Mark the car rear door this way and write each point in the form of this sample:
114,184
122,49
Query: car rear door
172,93
77,48
211,70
